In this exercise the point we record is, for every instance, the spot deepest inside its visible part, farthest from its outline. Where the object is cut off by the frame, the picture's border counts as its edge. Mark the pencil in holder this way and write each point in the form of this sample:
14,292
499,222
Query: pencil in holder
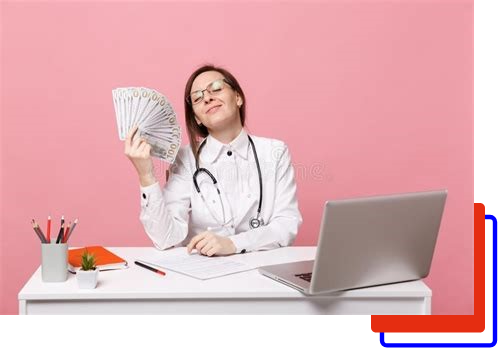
54,262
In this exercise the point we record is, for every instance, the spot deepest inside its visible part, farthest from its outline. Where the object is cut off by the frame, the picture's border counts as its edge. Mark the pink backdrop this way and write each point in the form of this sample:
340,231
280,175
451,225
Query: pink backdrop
371,97
485,102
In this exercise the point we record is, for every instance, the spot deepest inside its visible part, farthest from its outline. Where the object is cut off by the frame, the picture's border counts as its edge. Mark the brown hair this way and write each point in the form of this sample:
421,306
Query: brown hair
195,131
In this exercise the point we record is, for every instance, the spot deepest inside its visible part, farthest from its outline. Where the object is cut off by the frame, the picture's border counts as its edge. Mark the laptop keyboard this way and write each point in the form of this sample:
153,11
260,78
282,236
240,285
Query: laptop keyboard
305,276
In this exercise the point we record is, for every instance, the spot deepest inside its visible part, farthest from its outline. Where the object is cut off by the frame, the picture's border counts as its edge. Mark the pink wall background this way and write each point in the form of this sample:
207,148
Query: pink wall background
371,97
486,102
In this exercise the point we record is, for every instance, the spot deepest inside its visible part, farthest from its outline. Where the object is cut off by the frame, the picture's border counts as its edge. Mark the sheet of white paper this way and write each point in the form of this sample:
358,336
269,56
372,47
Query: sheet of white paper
200,266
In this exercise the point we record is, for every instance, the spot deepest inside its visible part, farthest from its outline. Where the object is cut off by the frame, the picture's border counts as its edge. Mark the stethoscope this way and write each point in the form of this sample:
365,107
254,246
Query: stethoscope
255,222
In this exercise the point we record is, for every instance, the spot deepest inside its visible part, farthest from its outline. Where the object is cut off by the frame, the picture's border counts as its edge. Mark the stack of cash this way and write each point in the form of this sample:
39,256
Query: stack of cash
155,117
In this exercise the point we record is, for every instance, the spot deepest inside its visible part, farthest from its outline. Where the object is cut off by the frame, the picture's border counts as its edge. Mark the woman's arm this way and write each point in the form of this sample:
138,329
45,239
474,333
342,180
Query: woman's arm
164,215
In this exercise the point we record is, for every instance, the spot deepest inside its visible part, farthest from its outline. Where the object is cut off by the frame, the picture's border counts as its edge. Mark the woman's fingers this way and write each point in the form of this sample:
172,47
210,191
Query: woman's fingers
204,243
130,135
141,148
201,244
144,150
137,142
212,251
204,250
132,141
211,243
194,241
138,151
147,150
212,246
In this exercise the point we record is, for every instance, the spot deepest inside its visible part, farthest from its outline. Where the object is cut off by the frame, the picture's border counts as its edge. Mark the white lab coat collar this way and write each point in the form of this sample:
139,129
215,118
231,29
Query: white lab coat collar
213,148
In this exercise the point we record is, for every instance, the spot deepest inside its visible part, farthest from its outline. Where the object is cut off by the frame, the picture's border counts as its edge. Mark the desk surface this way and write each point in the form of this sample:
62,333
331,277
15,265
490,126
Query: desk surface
139,283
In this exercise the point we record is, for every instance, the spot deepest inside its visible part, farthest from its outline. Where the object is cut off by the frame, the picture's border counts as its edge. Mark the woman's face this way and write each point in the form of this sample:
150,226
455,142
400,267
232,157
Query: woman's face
217,110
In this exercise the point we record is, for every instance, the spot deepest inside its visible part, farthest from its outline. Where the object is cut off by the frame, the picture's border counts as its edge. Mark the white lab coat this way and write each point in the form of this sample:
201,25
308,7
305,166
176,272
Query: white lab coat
173,215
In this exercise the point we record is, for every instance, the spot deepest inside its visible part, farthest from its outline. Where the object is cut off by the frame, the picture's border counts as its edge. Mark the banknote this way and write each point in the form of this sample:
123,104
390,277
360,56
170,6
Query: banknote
153,114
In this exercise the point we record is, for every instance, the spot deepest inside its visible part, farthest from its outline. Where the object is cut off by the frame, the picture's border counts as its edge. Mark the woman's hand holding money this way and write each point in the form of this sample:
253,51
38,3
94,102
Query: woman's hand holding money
138,151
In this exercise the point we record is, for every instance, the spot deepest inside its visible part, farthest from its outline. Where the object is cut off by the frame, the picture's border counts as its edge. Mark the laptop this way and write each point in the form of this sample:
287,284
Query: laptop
368,241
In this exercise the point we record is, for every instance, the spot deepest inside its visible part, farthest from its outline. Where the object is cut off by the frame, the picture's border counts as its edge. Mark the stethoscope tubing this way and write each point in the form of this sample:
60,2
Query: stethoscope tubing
199,170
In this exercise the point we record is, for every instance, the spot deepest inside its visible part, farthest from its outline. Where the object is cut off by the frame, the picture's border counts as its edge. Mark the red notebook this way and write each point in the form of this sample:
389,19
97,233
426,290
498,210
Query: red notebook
105,260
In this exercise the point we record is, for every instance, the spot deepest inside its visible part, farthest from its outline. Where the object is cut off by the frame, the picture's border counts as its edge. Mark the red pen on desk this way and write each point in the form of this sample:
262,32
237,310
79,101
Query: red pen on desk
150,268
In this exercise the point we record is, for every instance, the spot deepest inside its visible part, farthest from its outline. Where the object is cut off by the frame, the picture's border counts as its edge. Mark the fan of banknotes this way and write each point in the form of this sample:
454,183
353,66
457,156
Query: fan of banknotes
155,117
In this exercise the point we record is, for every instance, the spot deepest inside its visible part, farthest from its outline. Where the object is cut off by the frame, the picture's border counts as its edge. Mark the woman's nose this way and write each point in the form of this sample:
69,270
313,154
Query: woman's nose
206,97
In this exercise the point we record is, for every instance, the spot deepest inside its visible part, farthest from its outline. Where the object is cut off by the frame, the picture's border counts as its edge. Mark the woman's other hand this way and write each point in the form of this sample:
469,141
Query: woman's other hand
210,244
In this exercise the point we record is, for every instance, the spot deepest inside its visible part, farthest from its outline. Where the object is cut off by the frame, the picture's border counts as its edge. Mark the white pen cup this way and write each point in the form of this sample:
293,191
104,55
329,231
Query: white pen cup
54,262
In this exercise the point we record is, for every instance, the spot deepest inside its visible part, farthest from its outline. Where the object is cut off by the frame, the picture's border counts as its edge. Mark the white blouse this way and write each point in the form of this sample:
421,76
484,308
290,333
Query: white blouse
172,216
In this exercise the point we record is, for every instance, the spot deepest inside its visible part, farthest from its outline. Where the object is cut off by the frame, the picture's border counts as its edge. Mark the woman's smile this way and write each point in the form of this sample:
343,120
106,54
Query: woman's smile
213,109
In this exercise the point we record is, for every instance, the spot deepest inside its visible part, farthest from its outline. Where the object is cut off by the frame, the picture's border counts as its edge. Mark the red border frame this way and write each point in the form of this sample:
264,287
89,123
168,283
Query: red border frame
447,323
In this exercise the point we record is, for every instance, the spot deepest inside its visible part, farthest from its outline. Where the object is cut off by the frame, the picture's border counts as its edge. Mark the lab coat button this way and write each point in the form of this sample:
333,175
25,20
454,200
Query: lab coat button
229,153
243,251
144,195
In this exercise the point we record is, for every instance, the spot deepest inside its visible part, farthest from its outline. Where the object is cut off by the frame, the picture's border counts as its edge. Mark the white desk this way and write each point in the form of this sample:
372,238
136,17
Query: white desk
139,291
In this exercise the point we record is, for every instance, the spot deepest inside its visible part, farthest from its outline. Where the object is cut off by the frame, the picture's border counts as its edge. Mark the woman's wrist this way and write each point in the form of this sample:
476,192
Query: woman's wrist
147,180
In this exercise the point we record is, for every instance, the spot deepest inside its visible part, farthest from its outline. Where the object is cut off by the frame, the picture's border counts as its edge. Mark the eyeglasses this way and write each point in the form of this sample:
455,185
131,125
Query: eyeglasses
214,88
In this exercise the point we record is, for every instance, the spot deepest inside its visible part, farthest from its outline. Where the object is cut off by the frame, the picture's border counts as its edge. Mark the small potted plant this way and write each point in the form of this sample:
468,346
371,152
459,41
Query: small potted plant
87,274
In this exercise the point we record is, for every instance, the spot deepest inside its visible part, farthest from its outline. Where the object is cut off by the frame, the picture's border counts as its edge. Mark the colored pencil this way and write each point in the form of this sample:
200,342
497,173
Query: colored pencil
65,237
38,233
49,222
72,228
39,229
61,233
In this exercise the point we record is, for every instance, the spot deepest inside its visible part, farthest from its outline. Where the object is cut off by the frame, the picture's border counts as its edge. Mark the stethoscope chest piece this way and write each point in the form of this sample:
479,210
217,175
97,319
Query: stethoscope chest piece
256,222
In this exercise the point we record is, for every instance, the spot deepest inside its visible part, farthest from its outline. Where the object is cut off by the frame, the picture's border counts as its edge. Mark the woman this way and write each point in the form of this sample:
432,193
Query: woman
243,195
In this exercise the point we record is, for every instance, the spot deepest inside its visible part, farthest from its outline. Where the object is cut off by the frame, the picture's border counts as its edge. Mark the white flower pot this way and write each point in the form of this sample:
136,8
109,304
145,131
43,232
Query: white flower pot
87,279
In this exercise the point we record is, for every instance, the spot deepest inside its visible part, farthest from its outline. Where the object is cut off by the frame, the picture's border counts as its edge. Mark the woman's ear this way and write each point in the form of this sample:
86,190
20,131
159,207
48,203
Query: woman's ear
239,101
